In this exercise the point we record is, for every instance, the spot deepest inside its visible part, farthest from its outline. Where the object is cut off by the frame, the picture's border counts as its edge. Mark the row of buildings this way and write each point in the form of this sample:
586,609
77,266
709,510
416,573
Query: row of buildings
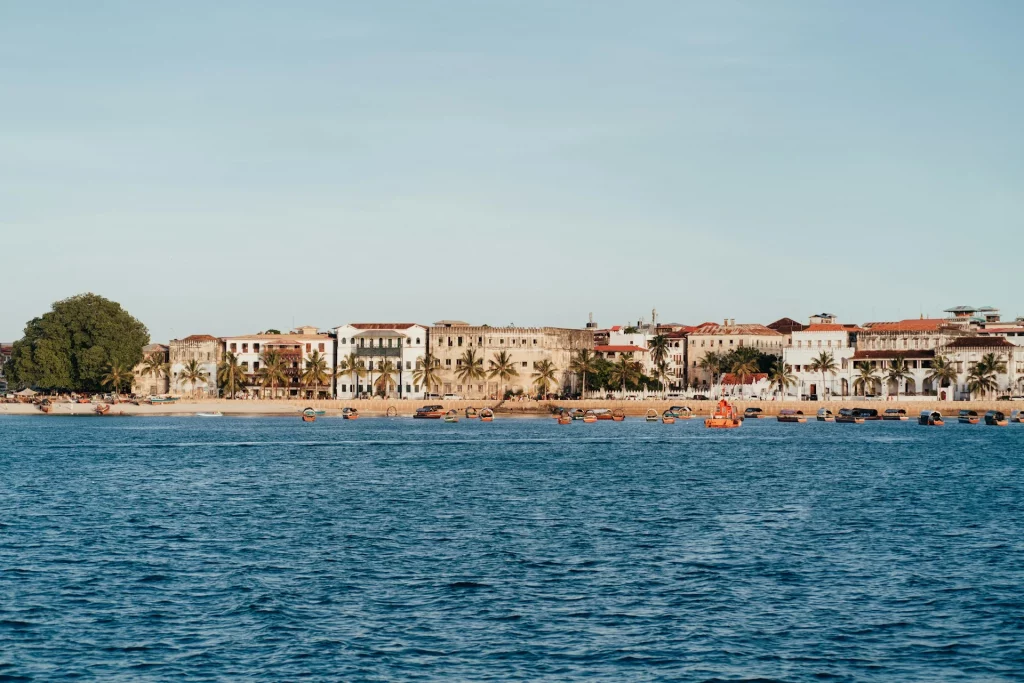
963,336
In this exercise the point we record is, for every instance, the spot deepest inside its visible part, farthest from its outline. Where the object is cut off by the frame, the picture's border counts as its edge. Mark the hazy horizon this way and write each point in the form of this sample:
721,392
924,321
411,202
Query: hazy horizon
228,168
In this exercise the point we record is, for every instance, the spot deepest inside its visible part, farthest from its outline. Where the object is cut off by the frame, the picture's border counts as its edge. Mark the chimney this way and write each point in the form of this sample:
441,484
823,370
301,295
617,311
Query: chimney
725,323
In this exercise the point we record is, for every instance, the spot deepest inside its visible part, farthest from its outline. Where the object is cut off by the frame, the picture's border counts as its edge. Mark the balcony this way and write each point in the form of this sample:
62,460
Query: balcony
378,352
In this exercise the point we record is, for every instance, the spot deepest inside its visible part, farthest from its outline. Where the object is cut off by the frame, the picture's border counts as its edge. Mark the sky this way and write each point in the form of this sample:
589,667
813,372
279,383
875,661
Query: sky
224,168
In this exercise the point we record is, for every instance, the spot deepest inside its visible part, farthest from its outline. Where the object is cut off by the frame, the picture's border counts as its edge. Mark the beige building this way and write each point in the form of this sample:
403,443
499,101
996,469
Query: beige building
295,349
202,348
727,337
150,384
915,341
526,346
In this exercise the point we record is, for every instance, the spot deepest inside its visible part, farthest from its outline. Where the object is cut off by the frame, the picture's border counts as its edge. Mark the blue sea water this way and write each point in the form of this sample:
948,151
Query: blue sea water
146,549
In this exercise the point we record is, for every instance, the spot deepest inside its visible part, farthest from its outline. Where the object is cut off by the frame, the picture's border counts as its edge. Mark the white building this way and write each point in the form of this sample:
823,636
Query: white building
202,348
375,344
295,349
965,352
806,345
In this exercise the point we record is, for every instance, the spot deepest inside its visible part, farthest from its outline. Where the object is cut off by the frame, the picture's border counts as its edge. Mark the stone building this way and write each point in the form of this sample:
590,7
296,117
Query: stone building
526,346
295,348
202,348
915,340
374,344
149,384
727,337
965,352
807,344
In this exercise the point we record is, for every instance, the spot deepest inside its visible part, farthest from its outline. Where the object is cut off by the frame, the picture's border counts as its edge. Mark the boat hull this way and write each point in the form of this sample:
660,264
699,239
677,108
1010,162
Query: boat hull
792,419
668,420
722,422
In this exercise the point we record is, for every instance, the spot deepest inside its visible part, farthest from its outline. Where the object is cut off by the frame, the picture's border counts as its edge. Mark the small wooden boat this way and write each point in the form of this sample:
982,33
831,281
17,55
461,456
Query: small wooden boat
589,417
102,409
45,405
1017,416
348,413
618,415
156,400
724,417
930,418
968,417
564,419
487,415
603,413
309,415
895,414
849,416
431,412
753,414
577,413
825,415
652,415
868,414
471,413
789,415
451,416
681,412
994,418
84,400
216,414
668,418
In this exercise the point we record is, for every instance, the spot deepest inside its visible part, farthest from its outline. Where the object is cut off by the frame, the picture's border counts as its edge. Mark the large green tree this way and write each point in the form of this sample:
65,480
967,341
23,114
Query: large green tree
73,346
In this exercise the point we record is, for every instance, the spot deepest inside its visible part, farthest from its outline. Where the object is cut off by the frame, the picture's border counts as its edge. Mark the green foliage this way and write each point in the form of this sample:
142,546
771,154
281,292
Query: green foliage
74,344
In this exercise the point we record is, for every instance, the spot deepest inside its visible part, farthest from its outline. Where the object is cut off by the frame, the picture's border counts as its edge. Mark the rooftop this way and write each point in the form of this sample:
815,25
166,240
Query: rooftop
711,329
829,327
911,325
197,338
620,349
980,343
785,325
381,326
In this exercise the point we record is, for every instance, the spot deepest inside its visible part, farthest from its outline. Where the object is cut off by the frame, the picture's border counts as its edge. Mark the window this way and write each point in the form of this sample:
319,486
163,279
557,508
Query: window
408,365
245,365
256,348
522,342
255,366
309,347
416,388
447,361
524,364
417,340
408,389
458,388
369,365
534,342
458,362
459,339
234,347
479,341
343,387
501,341
245,348
344,340
321,348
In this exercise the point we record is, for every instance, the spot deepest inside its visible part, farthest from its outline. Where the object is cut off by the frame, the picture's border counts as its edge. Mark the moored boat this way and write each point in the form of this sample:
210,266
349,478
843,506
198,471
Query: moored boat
471,413
753,414
618,415
895,414
577,413
589,417
603,413
102,409
487,415
968,417
825,415
564,419
668,417
156,400
681,412
652,415
214,414
930,418
1017,416
309,415
789,415
348,413
451,416
849,416
431,412
45,405
995,418
724,417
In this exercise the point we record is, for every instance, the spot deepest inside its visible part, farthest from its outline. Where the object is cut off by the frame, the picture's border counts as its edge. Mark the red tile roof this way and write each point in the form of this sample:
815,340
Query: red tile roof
912,325
382,326
739,329
980,343
729,378
620,349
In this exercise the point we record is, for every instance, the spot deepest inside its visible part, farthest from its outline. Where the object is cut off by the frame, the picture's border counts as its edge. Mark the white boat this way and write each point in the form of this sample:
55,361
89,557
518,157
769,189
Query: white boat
218,414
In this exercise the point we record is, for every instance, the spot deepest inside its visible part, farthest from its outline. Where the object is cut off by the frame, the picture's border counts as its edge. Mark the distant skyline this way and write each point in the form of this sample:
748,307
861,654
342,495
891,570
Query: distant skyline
231,167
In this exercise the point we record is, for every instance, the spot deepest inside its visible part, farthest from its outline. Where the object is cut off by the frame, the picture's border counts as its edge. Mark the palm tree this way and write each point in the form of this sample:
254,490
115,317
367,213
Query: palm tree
193,373
981,379
231,375
994,365
426,373
824,362
315,372
545,374
658,349
743,369
626,371
943,371
712,364
470,368
867,377
352,365
898,372
386,381
155,367
661,370
585,362
502,367
272,371
780,375
115,378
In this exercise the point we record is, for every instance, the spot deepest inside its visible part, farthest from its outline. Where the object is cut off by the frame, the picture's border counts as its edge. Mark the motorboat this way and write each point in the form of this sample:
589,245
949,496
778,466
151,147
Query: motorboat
930,418
431,412
471,413
849,416
789,415
589,417
487,415
995,418
652,415
826,415
723,417
618,415
577,413
1017,416
968,417
214,414
603,414
309,415
681,412
753,414
895,414
102,409
451,416
668,417
348,413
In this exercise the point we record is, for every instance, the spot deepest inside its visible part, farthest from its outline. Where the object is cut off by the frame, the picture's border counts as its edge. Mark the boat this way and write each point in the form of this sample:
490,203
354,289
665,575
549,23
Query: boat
589,417
348,413
45,405
681,412
618,415
577,413
487,415
451,416
309,415
156,400
84,400
849,416
789,415
868,414
995,418
668,417
1017,416
825,415
102,409
603,413
724,417
564,419
652,415
753,414
216,414
968,417
470,413
895,414
930,418
431,412
320,413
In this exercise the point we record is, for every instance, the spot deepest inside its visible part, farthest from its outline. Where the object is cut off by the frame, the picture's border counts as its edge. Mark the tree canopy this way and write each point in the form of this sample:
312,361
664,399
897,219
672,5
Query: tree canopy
74,345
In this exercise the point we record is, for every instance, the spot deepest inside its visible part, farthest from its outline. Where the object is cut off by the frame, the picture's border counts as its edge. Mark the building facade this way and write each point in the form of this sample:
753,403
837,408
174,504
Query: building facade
722,339
914,340
295,350
205,350
525,346
966,352
373,345
149,383
808,344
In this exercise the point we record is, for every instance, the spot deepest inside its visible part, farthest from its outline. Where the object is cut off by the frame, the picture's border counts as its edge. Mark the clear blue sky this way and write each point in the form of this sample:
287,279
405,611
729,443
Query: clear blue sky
225,167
